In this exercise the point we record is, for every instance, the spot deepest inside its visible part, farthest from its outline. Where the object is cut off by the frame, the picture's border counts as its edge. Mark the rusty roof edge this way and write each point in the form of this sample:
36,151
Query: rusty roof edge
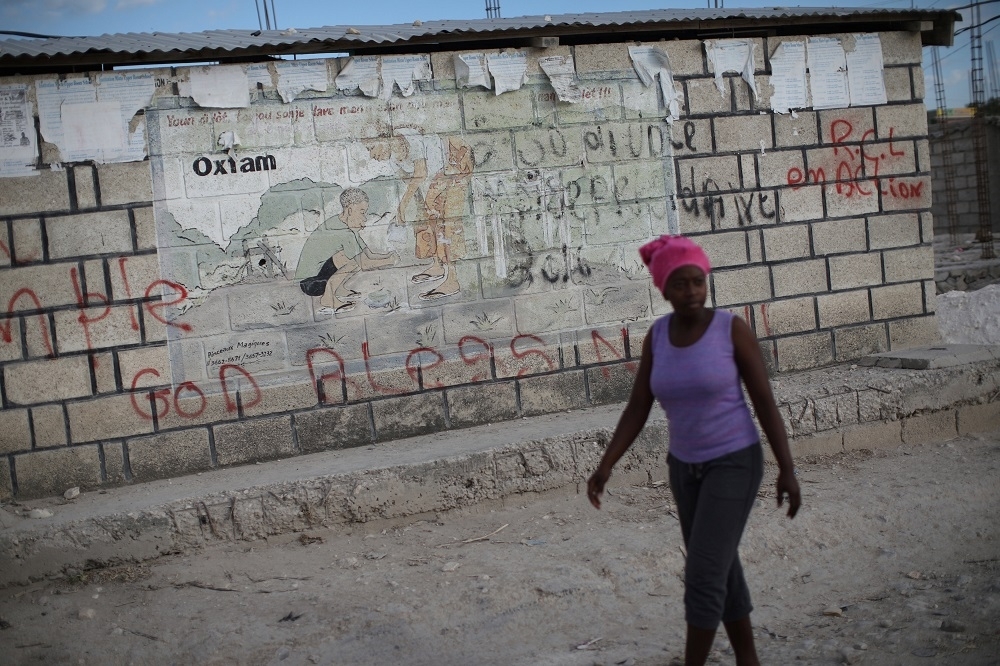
936,28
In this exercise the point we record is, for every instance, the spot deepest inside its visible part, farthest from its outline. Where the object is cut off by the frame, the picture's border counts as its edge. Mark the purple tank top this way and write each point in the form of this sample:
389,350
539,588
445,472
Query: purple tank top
699,388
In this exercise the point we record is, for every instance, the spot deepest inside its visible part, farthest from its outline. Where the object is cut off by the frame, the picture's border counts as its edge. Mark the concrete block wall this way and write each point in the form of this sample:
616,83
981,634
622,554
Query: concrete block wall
956,136
133,350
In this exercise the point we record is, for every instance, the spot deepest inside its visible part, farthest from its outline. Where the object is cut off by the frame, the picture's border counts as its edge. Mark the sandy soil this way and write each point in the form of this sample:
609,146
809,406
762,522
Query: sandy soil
894,559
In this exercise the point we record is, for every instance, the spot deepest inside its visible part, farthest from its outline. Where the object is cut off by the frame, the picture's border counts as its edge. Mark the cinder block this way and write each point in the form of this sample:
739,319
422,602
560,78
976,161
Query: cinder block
741,285
533,149
408,416
845,126
131,277
800,277
845,200
787,242
86,189
36,287
112,417
873,436
114,462
6,488
601,102
778,168
896,157
795,131
611,384
703,97
527,355
858,341
104,327
52,472
145,228
601,58
902,120
48,380
255,440
27,246
600,345
891,231
843,308
482,404
334,428
897,84
132,362
851,271
799,352
49,423
919,89
697,173
15,434
484,110
169,454
898,300
125,183
728,248
546,394
89,233
282,398
5,248
930,428
916,263
839,236
742,133
694,136
901,48
903,193
913,332
827,444
45,192
781,317
974,419
799,204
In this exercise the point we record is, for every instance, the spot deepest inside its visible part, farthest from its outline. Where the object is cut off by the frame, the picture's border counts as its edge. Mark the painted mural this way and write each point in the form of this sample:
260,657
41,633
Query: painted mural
391,233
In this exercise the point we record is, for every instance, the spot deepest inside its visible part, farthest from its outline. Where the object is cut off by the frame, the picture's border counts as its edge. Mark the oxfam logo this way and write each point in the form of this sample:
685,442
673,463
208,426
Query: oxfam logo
204,166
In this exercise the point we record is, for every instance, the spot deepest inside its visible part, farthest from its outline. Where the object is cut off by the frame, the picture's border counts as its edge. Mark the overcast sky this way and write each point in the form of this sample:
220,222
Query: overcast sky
96,17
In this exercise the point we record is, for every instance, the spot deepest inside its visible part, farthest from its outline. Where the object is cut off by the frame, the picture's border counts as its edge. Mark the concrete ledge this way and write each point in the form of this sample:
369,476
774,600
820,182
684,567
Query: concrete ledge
452,469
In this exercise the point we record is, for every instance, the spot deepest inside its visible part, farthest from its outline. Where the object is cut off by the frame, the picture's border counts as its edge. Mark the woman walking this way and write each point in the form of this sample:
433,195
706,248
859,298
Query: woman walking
693,361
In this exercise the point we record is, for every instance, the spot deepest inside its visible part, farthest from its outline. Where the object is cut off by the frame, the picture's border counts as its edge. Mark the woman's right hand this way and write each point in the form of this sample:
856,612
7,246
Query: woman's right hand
595,486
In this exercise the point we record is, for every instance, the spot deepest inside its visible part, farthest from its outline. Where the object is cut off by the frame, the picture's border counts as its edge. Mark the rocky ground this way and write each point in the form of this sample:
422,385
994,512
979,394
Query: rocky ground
894,559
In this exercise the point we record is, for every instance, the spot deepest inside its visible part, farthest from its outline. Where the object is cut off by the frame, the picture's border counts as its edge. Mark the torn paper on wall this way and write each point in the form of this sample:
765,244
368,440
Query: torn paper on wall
562,75
289,77
732,55
864,71
18,142
652,64
217,87
827,73
403,72
470,70
361,73
788,77
509,71
124,138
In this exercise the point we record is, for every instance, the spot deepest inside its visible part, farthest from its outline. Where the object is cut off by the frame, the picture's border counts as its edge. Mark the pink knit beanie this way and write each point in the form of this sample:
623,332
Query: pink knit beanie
668,253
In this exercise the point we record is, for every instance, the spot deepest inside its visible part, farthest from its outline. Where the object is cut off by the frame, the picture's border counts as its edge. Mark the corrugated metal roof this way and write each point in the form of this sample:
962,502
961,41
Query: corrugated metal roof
135,48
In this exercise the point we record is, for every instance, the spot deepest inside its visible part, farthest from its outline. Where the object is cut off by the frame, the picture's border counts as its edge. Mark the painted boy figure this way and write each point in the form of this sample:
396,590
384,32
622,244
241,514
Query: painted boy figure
334,253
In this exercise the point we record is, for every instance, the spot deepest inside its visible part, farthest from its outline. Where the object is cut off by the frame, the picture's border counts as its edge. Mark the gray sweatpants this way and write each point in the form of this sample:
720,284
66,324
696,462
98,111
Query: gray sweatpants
714,499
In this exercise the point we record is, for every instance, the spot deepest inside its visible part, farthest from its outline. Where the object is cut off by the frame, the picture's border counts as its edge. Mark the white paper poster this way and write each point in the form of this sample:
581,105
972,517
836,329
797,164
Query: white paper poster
361,73
651,64
732,55
788,77
562,75
18,143
218,87
71,108
864,71
827,73
470,70
402,72
509,70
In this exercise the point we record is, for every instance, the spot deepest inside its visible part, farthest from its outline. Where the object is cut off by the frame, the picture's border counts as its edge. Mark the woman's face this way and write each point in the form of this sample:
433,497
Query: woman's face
686,289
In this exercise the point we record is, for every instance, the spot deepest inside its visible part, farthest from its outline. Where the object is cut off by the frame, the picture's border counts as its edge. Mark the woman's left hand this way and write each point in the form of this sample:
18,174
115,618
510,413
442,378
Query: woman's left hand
788,485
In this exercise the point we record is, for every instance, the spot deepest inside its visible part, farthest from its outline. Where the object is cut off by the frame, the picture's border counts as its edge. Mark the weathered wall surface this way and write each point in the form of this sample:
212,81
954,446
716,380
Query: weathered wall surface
158,320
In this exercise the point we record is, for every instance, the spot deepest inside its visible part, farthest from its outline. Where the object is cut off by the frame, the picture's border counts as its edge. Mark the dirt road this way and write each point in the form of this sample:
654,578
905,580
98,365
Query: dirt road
894,559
